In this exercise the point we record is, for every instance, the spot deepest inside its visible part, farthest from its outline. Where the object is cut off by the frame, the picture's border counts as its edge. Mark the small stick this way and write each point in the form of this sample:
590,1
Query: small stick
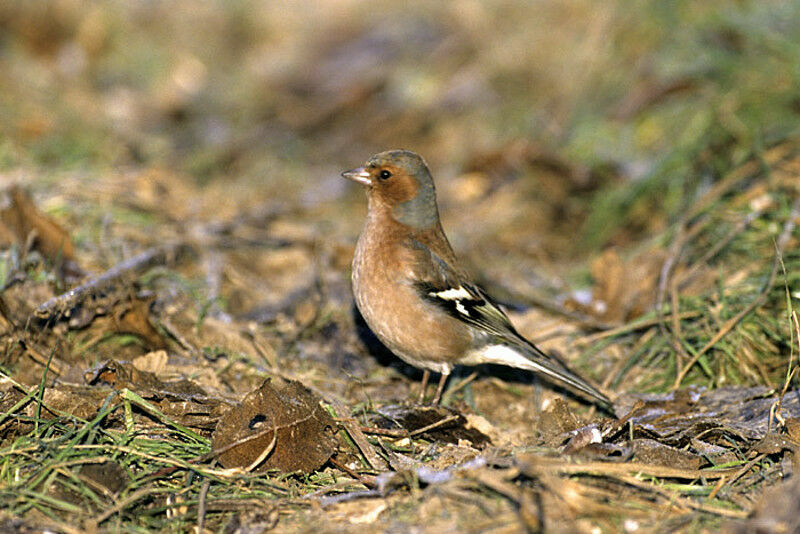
542,465
431,426
775,409
201,506
56,366
354,431
364,480
170,329
62,304
91,524
388,432
747,467
683,237
677,334
717,487
730,180
461,385
683,502
403,433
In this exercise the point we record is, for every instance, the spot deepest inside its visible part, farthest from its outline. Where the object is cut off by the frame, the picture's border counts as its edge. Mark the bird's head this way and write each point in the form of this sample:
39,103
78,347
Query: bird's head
400,180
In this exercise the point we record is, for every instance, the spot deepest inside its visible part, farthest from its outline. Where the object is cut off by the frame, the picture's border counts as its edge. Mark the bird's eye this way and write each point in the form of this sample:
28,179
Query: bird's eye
384,174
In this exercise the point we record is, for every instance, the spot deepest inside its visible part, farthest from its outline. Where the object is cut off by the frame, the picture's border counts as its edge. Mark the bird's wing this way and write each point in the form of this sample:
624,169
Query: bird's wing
438,282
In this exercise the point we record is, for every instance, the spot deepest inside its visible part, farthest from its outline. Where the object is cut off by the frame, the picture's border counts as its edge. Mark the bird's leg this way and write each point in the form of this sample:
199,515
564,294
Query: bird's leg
425,376
440,388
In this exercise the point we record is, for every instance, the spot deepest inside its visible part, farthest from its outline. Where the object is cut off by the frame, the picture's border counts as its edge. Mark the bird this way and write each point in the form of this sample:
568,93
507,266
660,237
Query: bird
414,295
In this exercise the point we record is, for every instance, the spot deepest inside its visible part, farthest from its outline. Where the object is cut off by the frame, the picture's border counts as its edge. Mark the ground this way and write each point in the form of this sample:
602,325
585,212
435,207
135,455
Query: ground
180,347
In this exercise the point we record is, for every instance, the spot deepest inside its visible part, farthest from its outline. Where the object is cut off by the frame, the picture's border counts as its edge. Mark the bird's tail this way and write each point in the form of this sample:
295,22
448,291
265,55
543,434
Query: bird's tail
537,361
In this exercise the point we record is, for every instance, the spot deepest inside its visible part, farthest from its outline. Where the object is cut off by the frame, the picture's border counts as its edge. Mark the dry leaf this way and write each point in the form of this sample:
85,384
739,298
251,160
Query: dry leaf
133,317
623,289
283,422
21,217
154,362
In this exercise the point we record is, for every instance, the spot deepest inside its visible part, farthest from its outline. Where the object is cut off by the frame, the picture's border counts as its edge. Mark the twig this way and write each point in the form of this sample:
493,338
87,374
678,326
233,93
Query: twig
664,281
718,486
775,409
747,467
770,157
61,305
630,473
676,339
403,433
388,432
354,431
458,387
175,334
56,366
533,465
683,237
431,426
91,525
201,506
366,481
683,501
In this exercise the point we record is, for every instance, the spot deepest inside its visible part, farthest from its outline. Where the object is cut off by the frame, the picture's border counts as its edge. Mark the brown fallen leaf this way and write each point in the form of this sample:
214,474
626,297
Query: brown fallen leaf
623,289
182,400
153,362
676,418
556,421
118,312
133,317
20,217
281,425
793,428
649,451
120,375
80,401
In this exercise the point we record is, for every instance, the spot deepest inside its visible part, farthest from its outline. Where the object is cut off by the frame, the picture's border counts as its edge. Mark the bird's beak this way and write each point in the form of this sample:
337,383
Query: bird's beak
360,175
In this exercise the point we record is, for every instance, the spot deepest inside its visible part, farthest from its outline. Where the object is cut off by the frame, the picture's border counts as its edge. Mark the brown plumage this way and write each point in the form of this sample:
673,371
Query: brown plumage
412,292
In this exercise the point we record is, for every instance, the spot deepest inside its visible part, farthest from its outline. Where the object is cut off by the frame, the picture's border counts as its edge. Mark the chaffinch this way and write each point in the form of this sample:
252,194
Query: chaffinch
415,296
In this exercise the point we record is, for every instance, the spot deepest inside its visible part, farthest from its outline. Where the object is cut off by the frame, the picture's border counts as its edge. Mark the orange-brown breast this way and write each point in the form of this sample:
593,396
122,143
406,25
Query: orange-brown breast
412,328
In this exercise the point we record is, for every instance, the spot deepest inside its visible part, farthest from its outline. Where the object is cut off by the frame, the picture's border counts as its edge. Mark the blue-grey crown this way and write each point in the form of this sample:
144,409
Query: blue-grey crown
421,211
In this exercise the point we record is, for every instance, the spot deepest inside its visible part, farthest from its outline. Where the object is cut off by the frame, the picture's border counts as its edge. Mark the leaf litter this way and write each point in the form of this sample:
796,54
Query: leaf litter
690,451
181,351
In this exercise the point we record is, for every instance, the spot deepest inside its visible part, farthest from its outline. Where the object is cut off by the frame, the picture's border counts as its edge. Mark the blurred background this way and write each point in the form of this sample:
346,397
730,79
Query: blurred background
622,175
603,117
